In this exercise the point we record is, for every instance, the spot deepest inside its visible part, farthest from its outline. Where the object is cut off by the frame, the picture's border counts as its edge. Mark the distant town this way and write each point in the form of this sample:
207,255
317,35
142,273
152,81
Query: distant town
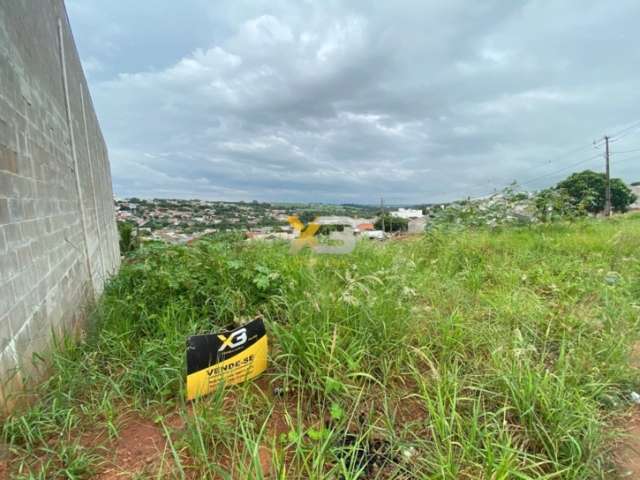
181,221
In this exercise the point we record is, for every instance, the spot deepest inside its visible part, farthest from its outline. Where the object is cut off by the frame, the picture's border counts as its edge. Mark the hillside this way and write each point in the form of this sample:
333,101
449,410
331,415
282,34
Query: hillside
477,354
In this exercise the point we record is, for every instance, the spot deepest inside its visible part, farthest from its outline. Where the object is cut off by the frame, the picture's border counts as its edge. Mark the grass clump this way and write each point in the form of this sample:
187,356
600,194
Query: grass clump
472,354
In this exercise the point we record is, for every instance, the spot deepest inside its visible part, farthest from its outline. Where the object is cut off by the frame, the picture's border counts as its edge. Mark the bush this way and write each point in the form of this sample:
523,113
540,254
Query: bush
587,190
128,240
553,205
389,223
506,208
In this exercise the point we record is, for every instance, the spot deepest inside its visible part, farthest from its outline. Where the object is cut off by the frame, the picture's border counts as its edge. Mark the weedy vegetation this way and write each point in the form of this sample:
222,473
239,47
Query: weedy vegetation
477,354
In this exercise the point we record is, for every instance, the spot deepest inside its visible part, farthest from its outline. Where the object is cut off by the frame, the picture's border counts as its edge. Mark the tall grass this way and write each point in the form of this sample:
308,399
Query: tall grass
477,354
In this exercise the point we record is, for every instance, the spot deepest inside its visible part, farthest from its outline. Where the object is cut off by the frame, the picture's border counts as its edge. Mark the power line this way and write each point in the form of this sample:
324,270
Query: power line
531,180
620,134
628,127
626,160
627,151
624,132
615,137
563,155
495,189
551,174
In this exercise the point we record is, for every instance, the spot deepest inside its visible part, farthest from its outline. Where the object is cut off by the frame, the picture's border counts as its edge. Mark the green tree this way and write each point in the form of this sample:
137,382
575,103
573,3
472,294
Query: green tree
128,241
587,190
392,224
307,216
555,204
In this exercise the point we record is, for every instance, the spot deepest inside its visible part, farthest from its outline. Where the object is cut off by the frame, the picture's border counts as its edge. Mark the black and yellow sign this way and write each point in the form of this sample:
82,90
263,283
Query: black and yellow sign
231,357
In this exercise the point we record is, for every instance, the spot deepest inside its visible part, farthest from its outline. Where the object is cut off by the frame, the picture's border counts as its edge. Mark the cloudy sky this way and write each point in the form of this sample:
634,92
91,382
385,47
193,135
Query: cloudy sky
345,101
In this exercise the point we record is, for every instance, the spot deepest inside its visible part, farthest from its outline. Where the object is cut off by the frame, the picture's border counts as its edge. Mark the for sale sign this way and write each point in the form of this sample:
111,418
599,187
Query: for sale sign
230,357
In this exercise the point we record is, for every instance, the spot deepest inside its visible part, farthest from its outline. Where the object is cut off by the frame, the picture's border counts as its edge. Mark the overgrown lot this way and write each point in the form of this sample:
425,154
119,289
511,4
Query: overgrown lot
475,355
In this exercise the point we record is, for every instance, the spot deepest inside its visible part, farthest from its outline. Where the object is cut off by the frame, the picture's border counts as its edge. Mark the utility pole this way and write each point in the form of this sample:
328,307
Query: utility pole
382,211
607,200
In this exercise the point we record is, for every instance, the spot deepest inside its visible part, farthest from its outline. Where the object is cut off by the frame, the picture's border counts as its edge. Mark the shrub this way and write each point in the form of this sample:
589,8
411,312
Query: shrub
587,190
128,240
389,223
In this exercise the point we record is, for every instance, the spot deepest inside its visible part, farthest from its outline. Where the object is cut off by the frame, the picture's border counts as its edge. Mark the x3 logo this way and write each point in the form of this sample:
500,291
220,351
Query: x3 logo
237,338
307,236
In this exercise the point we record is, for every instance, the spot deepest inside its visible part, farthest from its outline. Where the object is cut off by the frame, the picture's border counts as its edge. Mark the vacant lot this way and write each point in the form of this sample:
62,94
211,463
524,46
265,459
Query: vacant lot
473,355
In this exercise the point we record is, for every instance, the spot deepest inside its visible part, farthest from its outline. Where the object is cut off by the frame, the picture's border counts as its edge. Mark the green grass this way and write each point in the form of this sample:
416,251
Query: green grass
476,355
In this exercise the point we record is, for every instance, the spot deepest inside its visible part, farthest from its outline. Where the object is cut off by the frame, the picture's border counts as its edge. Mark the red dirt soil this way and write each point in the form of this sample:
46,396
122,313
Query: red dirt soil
627,452
140,446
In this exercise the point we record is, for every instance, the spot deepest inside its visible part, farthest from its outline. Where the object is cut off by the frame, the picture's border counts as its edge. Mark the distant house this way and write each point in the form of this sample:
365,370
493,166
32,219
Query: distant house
374,234
635,189
358,221
417,225
269,236
365,227
407,213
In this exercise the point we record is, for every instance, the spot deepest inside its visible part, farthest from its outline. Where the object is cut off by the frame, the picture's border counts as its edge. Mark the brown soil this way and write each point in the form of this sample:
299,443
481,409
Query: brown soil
139,448
627,451
410,409
264,455
142,449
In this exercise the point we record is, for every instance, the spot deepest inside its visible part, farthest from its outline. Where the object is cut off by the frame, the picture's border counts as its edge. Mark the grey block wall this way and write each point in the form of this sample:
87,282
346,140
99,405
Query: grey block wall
58,237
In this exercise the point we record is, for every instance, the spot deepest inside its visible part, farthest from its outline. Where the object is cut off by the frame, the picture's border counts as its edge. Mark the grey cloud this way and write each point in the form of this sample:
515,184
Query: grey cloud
345,101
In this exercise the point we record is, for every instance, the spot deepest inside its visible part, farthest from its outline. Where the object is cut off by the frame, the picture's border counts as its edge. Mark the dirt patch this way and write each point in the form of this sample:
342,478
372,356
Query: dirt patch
284,402
138,449
277,423
634,356
627,452
370,456
410,410
264,455
175,421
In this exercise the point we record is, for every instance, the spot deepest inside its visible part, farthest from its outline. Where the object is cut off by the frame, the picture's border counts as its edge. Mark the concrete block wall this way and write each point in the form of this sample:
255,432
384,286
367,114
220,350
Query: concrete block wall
58,236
